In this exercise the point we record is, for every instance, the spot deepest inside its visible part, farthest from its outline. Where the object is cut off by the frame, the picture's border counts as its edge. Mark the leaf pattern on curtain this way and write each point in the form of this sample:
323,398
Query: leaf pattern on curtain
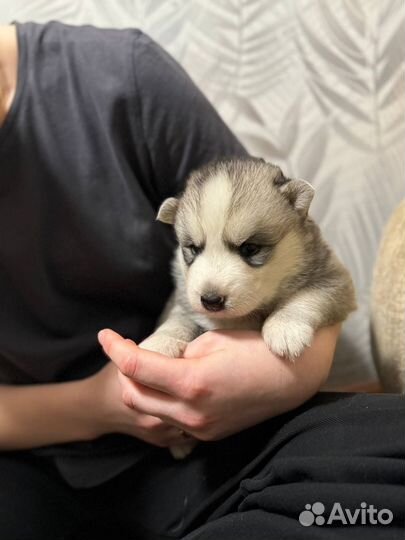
316,86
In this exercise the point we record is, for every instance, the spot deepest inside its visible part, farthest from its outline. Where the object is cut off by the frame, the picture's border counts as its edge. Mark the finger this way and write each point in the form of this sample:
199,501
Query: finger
179,437
153,402
172,438
162,432
205,344
175,435
146,367
157,431
196,348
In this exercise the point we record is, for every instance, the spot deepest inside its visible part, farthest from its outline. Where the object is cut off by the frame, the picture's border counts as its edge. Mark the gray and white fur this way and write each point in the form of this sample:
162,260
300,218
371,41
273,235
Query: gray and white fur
249,257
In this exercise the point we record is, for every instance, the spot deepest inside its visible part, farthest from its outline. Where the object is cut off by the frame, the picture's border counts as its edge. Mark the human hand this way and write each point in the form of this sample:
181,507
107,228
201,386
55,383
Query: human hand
226,382
113,416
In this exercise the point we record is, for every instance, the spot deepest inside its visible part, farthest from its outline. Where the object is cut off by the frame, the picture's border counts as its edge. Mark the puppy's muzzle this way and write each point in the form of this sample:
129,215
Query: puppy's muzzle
213,301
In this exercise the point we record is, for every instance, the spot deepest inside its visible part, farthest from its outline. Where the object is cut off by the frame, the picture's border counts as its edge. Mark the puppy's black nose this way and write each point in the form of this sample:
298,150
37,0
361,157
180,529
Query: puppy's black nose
212,301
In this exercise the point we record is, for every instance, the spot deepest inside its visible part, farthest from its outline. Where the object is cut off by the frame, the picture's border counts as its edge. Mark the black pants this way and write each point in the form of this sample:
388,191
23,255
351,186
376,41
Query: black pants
345,452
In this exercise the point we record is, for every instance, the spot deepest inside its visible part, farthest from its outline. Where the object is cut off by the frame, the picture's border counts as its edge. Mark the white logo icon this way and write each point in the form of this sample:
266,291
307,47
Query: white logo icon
312,514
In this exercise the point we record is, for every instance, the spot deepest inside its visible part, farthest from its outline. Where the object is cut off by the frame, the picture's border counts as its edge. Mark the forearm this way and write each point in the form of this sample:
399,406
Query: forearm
8,68
293,383
39,415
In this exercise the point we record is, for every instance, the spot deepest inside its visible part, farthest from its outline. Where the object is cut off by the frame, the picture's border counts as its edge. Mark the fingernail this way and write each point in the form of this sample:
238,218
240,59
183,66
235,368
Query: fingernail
102,335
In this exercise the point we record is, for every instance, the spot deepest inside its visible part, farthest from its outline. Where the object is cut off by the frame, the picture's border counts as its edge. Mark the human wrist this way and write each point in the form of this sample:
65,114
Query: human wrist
101,393
91,408
84,410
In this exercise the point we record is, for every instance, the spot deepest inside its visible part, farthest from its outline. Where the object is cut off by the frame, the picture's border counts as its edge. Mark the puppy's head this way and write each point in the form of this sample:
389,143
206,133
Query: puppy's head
239,227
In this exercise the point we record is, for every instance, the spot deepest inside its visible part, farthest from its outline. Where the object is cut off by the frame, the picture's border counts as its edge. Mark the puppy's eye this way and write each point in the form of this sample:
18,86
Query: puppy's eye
248,250
190,252
194,250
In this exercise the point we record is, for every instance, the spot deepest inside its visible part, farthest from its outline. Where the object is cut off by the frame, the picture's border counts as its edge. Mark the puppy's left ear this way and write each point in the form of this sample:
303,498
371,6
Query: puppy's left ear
168,210
299,194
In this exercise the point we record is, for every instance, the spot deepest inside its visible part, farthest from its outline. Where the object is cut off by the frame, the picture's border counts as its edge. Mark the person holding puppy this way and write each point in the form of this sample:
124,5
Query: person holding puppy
98,127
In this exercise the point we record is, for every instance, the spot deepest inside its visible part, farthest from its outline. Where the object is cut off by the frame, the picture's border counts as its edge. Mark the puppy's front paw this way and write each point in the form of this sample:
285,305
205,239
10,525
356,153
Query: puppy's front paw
287,339
164,344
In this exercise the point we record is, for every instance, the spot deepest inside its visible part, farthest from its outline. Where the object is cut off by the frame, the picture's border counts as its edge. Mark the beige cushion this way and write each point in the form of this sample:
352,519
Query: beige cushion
388,304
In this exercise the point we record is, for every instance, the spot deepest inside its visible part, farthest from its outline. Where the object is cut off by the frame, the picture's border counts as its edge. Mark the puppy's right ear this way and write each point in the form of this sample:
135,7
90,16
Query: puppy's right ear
299,193
168,210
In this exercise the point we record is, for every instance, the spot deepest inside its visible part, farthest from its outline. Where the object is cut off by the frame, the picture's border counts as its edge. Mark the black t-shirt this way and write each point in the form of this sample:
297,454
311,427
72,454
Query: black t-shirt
104,126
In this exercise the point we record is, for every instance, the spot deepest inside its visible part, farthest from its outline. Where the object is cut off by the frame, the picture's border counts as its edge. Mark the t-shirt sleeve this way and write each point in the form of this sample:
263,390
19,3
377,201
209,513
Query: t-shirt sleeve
181,129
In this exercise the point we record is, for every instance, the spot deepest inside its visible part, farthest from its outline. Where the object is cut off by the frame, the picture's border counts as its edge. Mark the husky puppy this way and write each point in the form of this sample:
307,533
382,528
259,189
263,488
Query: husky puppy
249,257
